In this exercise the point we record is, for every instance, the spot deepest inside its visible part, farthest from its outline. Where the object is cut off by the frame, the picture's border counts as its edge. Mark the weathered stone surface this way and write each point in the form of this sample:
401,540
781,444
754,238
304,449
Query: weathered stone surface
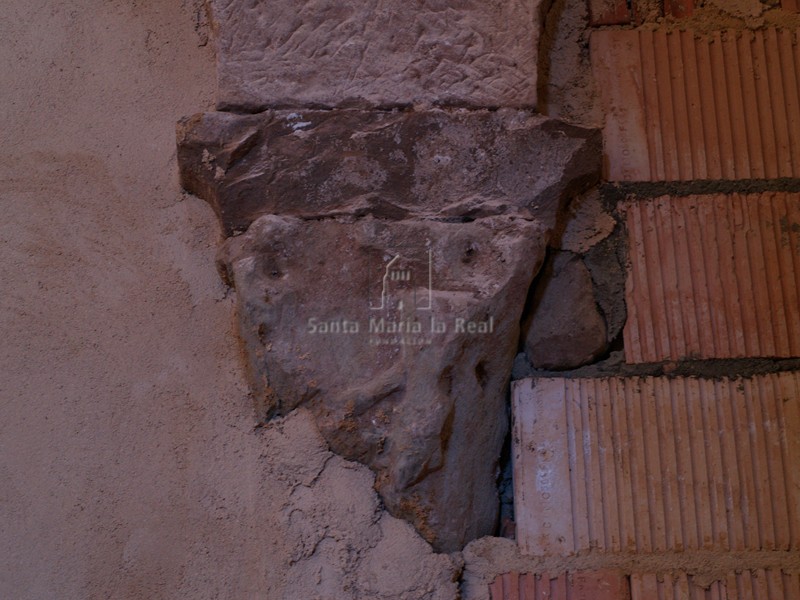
333,53
389,164
607,262
329,311
586,224
564,329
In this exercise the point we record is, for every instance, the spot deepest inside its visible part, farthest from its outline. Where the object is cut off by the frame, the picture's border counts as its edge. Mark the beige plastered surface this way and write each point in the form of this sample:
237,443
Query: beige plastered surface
130,464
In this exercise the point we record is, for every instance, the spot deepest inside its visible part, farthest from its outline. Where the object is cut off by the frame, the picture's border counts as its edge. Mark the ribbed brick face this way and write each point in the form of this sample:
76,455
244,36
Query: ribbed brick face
746,585
652,465
587,585
713,277
682,106
696,478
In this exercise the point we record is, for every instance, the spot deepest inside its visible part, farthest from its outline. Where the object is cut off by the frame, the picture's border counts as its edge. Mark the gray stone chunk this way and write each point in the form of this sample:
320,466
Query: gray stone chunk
565,328
454,164
607,263
399,337
375,53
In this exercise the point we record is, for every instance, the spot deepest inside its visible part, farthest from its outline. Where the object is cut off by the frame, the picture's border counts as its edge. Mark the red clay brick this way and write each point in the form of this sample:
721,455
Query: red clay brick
652,465
746,585
609,12
682,106
713,277
583,585
616,65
